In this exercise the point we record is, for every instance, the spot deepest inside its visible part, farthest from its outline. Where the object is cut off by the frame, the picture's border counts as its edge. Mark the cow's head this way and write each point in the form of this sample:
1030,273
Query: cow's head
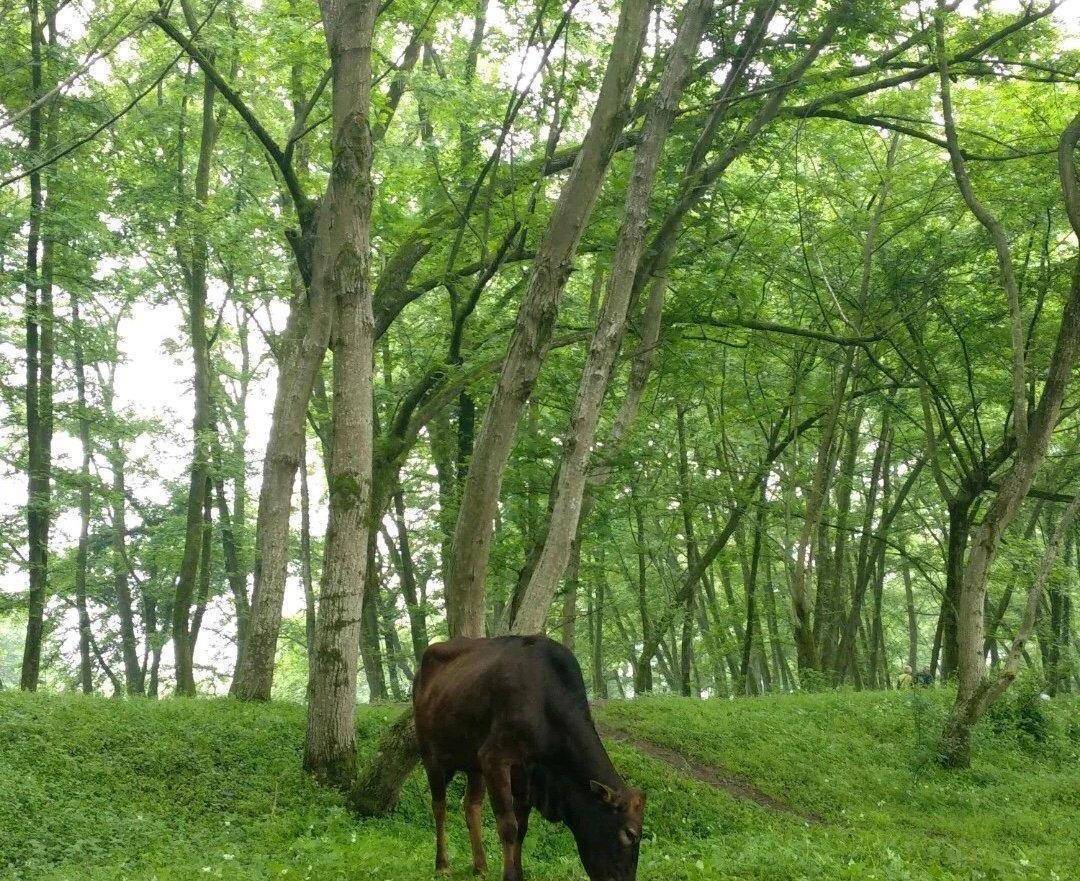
609,835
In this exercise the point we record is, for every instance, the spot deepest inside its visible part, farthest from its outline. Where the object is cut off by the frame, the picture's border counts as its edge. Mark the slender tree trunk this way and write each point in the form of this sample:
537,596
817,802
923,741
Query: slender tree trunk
802,608
134,672
230,549
912,620
832,599
534,327
205,572
440,438
643,680
310,606
195,269
299,359
38,319
1054,647
867,556
607,337
779,660
370,652
596,622
86,679
407,570
752,623
683,468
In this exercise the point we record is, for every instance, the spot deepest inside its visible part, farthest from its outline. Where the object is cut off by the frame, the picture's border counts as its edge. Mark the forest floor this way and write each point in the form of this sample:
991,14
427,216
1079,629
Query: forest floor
822,786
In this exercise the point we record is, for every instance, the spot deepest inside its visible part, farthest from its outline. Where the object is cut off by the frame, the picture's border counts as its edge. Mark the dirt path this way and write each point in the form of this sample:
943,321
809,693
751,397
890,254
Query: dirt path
711,775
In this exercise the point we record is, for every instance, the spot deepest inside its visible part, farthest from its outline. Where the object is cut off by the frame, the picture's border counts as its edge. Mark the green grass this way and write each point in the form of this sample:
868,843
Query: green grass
107,790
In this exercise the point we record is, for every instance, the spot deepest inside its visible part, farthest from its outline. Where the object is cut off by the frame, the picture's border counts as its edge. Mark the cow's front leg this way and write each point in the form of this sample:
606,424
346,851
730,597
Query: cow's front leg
497,777
437,781
474,807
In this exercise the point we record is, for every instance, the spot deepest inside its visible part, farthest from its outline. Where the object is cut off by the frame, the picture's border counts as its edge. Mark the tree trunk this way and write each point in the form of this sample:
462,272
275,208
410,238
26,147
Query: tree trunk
195,263
85,663
779,660
570,600
407,570
300,357
608,334
974,694
683,468
230,526
310,605
341,268
596,623
831,603
802,617
959,534
37,282
205,572
370,651
752,622
534,327
134,672
867,556
912,620
643,678
379,786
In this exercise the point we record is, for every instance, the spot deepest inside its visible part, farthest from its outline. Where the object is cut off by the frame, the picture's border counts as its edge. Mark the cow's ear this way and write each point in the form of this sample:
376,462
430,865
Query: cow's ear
606,793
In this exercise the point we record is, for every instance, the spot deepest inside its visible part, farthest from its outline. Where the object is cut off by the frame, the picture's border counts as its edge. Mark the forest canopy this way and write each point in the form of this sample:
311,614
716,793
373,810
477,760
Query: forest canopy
728,342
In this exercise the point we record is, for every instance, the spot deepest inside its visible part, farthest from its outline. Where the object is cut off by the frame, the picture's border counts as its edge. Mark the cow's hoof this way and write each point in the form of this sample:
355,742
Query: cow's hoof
480,869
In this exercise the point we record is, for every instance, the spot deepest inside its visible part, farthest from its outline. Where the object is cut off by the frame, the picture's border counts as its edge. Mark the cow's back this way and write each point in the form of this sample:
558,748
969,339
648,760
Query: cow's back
466,688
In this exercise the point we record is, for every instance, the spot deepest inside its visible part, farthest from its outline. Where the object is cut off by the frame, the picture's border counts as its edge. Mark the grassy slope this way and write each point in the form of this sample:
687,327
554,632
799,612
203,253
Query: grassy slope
99,789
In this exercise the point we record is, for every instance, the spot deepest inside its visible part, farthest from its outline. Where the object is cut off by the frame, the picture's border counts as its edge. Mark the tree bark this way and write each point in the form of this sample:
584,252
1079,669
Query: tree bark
533,329
643,677
85,662
867,556
341,268
205,572
370,652
596,624
912,620
607,336
195,263
310,605
973,692
407,570
134,671
37,282
300,357
831,601
752,619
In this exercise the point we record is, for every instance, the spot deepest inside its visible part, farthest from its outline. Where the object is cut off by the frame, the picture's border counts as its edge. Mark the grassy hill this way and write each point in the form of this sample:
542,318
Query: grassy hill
826,786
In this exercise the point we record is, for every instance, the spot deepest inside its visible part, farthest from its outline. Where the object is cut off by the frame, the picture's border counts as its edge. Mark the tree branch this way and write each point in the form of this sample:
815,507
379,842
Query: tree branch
273,149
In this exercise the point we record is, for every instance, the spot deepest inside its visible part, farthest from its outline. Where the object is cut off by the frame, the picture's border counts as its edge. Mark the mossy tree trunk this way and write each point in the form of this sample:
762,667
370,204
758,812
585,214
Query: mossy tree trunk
342,269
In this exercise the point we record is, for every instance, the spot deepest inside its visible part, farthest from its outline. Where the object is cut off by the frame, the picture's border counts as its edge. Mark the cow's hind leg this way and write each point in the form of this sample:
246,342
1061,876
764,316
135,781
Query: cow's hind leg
474,806
437,780
497,778
519,784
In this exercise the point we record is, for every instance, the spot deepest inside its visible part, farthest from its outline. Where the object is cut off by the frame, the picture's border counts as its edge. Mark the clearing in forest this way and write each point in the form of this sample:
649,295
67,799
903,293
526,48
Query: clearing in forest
104,790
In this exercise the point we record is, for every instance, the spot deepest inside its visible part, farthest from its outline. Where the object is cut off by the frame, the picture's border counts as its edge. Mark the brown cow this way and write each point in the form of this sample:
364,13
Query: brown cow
513,715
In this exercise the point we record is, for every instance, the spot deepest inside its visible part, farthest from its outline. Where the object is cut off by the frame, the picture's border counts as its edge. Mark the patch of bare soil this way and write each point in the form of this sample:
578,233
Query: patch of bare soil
711,775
